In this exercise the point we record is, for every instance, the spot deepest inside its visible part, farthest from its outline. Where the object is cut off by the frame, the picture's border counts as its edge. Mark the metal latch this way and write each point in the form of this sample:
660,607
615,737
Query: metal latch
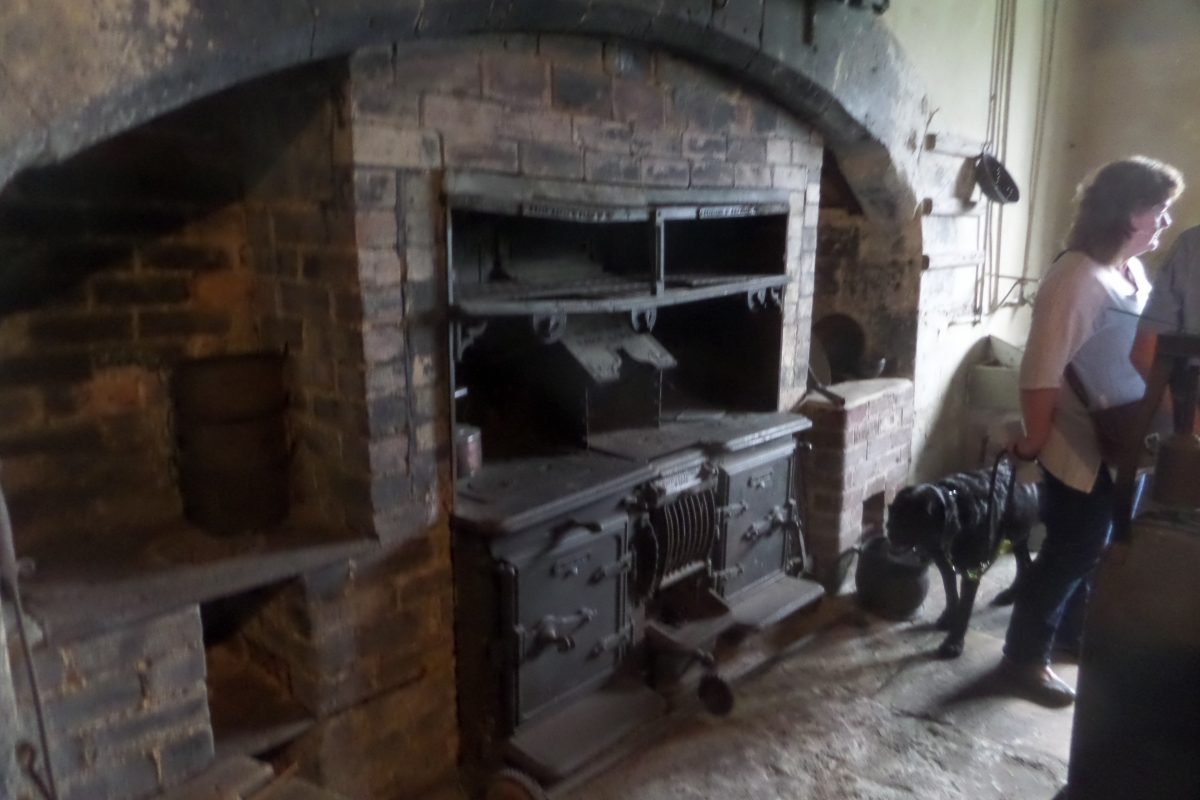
557,631
763,528
762,480
612,642
571,566
729,572
622,564
732,510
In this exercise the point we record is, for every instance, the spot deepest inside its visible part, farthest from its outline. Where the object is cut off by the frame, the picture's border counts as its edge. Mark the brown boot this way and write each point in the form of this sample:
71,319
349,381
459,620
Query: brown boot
1037,683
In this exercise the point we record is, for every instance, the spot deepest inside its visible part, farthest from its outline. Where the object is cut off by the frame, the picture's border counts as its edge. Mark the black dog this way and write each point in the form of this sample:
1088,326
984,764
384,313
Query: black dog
947,522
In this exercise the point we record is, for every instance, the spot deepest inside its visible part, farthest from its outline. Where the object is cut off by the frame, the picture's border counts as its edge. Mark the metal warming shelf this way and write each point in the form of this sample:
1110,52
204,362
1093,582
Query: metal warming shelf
600,296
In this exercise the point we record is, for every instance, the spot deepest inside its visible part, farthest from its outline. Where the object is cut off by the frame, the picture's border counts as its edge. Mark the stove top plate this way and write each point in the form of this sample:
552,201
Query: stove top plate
509,496
718,431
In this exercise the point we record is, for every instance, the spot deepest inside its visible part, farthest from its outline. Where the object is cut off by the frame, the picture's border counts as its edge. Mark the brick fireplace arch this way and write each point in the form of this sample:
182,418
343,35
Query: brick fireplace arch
841,70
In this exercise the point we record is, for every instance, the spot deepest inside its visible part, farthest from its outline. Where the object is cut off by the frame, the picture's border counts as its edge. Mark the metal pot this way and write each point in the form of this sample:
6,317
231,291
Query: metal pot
891,583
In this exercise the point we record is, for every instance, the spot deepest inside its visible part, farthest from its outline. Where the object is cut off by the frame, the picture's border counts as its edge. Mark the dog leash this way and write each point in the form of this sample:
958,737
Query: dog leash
993,517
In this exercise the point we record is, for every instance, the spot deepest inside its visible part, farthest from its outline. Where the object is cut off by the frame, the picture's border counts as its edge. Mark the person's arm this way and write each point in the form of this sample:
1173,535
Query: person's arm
1063,318
1145,347
1037,408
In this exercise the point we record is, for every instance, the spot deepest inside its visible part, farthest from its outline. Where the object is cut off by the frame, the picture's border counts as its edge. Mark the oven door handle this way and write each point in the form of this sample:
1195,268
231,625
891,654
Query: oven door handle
622,564
558,631
611,642
763,528
733,510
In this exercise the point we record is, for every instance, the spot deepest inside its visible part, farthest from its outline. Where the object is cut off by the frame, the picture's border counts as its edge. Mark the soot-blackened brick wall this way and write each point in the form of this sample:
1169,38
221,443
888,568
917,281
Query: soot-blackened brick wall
859,275
223,228
214,230
127,268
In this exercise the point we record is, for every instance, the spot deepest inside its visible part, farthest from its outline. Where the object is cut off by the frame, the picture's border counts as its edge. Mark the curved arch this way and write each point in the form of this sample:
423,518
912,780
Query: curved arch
849,79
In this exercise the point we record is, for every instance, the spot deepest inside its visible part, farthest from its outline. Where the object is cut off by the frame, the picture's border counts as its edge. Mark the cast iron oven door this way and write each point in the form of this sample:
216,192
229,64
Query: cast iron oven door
756,487
571,623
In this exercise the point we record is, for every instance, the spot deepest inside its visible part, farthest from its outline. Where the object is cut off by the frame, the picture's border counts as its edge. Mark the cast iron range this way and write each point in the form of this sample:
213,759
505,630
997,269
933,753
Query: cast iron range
598,578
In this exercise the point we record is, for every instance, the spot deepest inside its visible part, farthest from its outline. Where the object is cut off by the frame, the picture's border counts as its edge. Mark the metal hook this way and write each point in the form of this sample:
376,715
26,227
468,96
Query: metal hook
27,758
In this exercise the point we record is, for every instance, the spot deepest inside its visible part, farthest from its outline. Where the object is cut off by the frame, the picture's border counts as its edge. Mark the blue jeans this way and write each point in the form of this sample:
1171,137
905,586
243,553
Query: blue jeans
1050,603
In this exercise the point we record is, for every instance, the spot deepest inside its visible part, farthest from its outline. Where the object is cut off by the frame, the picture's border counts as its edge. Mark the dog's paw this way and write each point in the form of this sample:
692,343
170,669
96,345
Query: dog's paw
1006,597
943,622
951,648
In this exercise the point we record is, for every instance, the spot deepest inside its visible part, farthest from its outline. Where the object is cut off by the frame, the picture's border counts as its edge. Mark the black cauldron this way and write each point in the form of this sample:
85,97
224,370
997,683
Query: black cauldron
891,582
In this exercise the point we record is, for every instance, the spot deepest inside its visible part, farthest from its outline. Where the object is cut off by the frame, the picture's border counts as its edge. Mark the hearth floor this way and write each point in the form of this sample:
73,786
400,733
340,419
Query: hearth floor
859,709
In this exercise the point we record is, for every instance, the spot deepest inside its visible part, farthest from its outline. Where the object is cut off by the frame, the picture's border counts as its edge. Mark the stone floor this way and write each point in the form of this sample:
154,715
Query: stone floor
858,709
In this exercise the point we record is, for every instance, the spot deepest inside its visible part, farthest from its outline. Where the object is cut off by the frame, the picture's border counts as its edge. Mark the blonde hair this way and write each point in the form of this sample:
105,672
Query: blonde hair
1111,196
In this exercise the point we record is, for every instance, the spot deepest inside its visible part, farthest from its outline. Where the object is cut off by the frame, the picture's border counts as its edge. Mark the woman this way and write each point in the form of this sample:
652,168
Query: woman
1084,321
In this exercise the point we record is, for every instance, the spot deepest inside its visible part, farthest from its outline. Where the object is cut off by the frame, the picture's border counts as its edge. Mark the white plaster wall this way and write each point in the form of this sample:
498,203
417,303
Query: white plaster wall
1123,79
950,43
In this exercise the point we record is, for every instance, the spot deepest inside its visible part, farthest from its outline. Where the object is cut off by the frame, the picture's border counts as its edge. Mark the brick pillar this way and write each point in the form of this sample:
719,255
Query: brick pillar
366,646
860,458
